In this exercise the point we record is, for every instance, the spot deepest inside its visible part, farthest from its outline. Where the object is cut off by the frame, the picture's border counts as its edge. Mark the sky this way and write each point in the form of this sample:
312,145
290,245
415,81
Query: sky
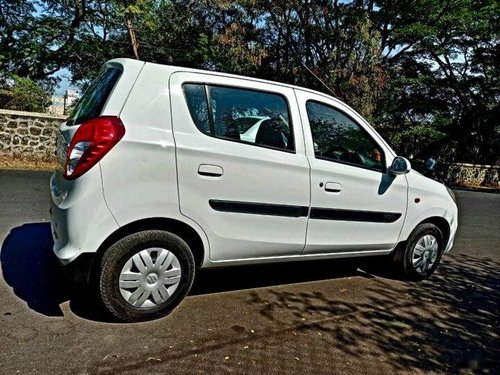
65,83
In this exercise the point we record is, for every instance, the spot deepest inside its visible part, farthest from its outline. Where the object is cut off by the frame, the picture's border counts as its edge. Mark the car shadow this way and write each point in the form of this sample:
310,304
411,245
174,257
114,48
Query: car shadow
262,275
385,183
30,267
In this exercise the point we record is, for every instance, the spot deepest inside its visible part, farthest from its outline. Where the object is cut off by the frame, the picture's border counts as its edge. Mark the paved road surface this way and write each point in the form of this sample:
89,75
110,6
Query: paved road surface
316,317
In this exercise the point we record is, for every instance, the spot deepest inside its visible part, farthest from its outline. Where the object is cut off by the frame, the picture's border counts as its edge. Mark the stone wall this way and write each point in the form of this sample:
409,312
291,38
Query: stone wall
27,135
461,174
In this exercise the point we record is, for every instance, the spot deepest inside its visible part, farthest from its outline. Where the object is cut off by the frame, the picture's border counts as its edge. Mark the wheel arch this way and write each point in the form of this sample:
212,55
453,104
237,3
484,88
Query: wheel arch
179,228
438,221
443,226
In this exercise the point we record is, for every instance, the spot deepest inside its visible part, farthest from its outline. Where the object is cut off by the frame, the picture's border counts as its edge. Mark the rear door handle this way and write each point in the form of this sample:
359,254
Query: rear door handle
333,187
210,170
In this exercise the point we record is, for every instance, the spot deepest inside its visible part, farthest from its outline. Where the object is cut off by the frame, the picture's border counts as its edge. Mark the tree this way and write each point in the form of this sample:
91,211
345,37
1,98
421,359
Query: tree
24,95
443,93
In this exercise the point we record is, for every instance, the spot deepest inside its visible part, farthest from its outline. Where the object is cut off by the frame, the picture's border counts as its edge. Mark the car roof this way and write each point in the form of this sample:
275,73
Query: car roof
172,68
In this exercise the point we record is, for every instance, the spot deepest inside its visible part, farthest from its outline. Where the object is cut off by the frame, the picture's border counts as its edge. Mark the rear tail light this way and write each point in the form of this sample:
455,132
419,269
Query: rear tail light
93,139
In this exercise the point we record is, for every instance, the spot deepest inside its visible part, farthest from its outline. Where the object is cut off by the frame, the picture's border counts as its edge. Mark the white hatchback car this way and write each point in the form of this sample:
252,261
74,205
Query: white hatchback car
159,176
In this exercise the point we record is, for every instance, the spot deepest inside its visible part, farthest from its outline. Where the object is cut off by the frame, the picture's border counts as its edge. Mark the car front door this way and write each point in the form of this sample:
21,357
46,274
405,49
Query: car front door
356,205
249,194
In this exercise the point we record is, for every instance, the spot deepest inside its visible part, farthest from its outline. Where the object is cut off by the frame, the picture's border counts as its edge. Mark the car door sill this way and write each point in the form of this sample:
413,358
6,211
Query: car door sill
294,258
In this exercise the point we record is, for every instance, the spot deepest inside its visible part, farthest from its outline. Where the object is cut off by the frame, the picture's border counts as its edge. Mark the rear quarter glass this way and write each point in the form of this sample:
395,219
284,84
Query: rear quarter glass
92,102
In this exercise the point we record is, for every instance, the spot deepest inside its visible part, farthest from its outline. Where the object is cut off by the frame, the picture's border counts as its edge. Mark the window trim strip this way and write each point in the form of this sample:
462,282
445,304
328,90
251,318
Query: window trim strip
209,109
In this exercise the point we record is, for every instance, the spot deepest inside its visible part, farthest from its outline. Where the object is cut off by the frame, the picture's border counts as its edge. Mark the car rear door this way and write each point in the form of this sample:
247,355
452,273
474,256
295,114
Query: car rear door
251,197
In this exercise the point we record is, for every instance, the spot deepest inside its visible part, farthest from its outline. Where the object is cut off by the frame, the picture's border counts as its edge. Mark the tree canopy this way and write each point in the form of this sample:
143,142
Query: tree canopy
25,95
425,73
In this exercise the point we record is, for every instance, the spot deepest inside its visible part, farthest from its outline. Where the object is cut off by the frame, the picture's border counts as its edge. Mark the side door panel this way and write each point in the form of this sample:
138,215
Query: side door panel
251,201
353,207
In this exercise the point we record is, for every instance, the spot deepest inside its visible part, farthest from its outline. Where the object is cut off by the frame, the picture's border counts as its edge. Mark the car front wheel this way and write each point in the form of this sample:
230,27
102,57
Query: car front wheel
419,257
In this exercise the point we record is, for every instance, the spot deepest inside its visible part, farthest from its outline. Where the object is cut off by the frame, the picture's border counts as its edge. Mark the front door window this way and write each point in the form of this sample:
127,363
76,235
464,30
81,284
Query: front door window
338,138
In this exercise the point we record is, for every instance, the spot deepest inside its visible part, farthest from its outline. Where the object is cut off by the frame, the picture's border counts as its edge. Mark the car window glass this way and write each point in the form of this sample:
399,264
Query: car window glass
245,123
337,137
241,115
197,103
92,102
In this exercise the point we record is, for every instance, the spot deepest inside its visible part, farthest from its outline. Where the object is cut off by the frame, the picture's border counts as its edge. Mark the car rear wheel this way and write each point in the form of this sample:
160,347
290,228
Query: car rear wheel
419,257
145,275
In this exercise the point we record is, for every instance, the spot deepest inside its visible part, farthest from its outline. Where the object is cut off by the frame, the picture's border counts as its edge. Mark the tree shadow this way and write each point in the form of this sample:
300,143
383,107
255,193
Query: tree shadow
448,323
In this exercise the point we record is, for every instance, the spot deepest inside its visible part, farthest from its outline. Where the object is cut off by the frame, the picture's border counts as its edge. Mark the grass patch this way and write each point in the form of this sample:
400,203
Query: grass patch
26,163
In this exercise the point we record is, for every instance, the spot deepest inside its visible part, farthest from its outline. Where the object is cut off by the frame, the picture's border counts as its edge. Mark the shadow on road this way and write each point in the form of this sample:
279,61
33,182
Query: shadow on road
448,323
263,275
30,268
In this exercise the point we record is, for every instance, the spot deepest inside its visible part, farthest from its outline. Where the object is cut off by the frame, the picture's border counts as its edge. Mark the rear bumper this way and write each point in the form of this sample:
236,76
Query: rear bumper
80,219
59,232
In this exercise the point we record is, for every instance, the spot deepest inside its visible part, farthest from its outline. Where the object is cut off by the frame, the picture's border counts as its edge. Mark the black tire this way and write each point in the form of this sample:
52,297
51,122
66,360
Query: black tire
115,258
404,255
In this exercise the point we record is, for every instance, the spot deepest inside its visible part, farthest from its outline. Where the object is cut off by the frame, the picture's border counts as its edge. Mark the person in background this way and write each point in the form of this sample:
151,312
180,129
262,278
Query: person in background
430,164
431,171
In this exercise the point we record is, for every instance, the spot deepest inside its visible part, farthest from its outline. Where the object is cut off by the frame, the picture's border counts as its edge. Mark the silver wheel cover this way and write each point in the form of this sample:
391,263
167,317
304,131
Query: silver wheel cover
150,277
425,253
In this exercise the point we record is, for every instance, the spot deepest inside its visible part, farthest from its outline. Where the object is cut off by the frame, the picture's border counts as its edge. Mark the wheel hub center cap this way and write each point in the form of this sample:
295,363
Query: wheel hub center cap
152,278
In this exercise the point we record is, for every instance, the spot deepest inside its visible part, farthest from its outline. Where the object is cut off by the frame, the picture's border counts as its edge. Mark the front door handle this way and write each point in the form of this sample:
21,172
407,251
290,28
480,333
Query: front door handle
210,170
333,187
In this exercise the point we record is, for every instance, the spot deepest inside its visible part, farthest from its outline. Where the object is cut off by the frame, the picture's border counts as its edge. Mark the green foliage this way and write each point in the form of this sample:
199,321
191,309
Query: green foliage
24,95
442,95
425,73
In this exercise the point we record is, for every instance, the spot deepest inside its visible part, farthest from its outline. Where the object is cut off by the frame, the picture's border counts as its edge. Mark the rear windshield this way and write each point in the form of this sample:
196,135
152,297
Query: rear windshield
91,103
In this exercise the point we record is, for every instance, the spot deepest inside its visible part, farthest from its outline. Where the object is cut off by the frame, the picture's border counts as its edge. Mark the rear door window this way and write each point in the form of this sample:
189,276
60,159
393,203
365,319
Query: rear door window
242,115
92,102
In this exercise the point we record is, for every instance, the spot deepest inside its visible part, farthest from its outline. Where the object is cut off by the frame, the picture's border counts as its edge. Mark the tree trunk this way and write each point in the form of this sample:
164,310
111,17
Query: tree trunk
133,37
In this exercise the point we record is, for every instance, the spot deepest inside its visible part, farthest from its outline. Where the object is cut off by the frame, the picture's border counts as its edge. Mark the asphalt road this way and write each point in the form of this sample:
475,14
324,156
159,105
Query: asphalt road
315,317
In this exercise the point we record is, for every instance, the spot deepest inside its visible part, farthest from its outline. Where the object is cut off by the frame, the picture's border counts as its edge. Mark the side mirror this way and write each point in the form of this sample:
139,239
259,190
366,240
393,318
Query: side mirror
400,165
